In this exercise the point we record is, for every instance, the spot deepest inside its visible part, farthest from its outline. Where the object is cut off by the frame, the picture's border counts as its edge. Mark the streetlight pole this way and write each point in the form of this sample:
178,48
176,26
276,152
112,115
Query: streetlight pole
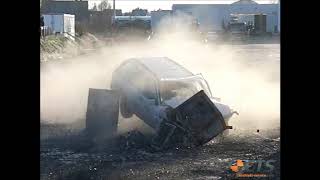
114,10
113,20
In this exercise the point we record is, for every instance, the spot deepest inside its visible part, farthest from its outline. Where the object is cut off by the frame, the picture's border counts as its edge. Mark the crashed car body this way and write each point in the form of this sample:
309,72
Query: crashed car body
171,100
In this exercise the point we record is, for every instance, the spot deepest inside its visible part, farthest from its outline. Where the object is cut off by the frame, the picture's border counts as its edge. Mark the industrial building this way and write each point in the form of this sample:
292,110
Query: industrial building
77,8
100,21
157,18
214,17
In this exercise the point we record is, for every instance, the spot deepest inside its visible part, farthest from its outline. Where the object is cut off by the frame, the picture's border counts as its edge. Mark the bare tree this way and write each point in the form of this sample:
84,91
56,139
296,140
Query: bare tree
94,8
43,2
104,5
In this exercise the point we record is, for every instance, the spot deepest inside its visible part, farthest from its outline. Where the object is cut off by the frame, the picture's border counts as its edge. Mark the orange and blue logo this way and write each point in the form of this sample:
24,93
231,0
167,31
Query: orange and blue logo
251,168
236,166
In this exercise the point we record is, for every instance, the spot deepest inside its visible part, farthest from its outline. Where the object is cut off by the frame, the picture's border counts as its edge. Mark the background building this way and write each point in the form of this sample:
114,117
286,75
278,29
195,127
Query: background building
101,21
214,17
160,18
77,8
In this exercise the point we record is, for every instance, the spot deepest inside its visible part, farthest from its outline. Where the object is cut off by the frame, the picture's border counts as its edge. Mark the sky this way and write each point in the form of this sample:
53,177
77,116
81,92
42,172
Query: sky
128,5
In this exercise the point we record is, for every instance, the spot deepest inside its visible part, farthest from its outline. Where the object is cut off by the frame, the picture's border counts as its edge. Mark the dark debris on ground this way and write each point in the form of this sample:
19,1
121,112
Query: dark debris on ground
129,156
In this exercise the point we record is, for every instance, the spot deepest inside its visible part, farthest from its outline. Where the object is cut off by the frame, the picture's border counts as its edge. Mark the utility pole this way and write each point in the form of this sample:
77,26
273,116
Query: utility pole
114,10
279,16
113,18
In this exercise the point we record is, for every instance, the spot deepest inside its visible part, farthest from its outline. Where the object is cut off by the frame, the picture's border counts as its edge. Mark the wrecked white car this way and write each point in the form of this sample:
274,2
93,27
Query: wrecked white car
177,104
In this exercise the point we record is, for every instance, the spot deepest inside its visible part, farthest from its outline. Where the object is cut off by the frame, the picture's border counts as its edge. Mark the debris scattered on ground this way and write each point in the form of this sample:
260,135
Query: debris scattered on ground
66,157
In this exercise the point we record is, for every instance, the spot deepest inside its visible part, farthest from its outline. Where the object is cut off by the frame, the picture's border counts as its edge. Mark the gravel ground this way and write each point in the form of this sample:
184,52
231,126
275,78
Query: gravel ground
128,156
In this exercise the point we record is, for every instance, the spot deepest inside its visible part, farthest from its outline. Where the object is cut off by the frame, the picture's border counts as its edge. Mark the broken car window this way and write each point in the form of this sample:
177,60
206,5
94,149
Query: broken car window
145,83
174,92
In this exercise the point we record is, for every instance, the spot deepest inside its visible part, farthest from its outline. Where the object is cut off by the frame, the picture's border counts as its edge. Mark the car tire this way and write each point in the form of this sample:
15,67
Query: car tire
124,110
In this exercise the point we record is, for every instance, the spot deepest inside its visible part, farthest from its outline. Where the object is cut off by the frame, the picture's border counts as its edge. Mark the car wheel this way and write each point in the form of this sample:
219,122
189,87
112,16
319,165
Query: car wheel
124,110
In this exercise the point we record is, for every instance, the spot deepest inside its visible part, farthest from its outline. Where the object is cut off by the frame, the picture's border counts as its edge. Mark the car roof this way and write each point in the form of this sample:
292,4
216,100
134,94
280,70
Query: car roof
163,67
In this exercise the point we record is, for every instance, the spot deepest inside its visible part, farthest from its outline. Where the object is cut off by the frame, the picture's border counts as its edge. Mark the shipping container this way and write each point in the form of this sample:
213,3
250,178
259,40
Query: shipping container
63,24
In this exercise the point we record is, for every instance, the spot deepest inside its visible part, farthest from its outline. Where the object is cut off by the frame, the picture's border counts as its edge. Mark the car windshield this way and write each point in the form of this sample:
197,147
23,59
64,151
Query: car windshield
176,91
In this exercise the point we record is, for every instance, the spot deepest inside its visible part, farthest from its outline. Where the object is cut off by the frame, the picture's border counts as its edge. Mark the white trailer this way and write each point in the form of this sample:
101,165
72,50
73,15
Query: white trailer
63,24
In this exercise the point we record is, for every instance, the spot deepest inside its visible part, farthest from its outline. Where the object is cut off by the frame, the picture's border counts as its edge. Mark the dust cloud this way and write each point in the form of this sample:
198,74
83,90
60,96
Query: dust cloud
246,77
